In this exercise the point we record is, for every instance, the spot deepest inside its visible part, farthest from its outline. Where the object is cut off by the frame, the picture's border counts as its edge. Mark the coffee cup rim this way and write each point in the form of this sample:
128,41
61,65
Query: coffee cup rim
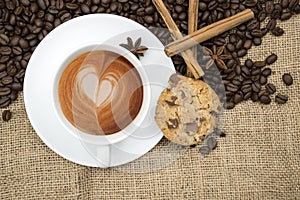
130,128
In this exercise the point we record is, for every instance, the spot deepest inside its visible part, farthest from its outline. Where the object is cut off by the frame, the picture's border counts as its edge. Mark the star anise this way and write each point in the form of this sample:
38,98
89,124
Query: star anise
136,48
216,55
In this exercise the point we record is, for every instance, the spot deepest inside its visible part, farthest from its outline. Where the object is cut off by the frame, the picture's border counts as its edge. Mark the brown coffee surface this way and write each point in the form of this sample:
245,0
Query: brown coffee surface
100,92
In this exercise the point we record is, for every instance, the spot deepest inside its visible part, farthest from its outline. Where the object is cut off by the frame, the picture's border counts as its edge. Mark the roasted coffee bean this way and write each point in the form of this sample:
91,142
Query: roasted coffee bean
245,71
287,79
20,74
263,80
43,4
250,3
4,39
293,3
231,63
239,44
2,67
262,16
231,75
257,41
236,82
277,31
4,102
248,95
269,7
27,56
242,27
266,72
285,16
238,97
5,50
255,78
25,2
11,70
259,64
229,105
281,99
271,24
276,14
6,115
65,17
271,88
14,41
33,42
242,53
6,80
263,92
271,59
16,86
255,71
3,74
4,91
148,19
38,22
232,38
4,59
34,8
248,63
254,97
231,87
13,95
23,43
230,47
238,70
284,3
256,87
71,6
17,50
297,9
227,71
253,24
256,33
245,89
247,44
264,31
204,150
265,99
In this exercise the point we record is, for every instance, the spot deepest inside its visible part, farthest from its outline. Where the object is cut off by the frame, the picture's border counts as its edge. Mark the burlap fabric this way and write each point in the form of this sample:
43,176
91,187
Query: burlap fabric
259,158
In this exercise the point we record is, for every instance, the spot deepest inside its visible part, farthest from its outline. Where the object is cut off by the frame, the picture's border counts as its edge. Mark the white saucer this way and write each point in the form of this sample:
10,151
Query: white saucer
48,56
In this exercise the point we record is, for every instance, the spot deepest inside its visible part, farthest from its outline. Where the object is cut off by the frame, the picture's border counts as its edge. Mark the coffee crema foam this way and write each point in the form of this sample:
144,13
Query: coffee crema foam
100,92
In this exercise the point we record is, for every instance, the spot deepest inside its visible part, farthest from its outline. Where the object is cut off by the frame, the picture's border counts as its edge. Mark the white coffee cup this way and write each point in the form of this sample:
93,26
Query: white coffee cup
99,145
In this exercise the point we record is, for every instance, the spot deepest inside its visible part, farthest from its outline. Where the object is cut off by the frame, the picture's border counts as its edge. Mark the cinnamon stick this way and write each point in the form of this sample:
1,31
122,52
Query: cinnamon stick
193,20
192,64
208,32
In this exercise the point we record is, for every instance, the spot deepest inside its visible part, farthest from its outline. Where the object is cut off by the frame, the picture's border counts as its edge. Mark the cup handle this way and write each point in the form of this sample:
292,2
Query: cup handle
103,155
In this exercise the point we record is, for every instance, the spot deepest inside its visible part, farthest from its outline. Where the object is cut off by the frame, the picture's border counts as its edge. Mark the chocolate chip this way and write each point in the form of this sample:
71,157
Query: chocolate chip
172,102
191,127
174,79
212,143
172,123
204,150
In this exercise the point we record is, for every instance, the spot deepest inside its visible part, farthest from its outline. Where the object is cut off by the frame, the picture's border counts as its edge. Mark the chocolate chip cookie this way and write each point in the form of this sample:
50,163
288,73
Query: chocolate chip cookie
187,110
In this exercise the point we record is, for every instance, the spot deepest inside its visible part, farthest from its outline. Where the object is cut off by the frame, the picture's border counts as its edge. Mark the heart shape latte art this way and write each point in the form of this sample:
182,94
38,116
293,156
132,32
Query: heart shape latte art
100,92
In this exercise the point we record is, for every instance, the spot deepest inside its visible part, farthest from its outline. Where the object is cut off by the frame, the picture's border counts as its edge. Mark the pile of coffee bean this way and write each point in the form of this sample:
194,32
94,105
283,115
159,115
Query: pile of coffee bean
24,23
248,80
